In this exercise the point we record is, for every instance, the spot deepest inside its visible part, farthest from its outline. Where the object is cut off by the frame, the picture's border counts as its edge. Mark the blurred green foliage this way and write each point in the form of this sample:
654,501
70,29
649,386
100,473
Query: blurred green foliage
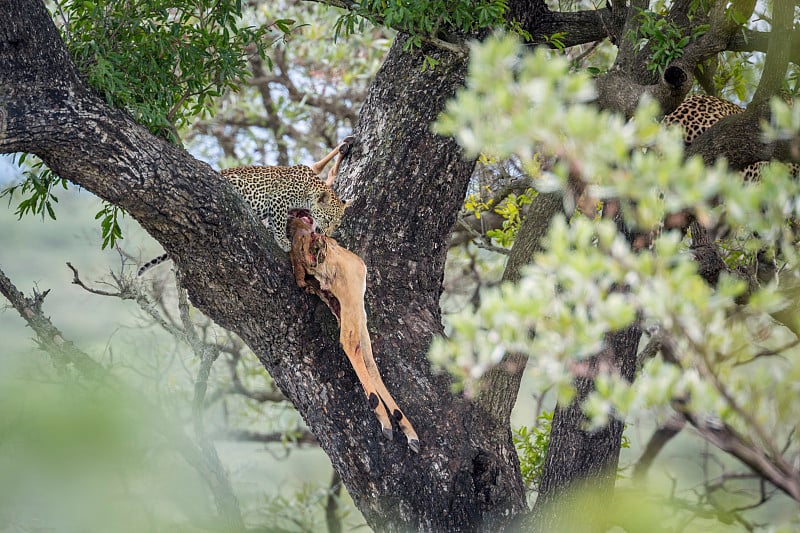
78,456
735,363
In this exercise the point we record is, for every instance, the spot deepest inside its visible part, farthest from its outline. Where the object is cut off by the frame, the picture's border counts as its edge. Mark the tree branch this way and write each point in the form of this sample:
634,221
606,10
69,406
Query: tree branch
756,41
778,54
660,438
728,440
332,520
49,338
771,466
499,386
243,435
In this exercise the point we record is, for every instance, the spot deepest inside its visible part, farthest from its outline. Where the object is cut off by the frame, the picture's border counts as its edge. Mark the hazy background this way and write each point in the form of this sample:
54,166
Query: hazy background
33,254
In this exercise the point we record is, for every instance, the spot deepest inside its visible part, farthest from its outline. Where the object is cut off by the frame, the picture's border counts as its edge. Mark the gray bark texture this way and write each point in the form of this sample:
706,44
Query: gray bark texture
407,184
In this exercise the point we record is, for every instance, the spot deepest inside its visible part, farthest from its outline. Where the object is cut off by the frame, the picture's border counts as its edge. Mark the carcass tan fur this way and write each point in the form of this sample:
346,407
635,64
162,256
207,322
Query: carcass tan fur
339,278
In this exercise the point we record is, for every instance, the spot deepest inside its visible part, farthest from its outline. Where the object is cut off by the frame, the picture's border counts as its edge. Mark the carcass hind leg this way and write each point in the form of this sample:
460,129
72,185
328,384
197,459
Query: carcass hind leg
352,348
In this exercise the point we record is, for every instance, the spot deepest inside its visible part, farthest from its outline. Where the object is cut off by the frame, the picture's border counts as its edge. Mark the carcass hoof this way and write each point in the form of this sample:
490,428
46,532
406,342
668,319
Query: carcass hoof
414,445
346,143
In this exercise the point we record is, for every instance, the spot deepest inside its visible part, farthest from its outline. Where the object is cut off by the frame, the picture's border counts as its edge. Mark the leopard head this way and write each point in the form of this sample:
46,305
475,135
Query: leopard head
328,210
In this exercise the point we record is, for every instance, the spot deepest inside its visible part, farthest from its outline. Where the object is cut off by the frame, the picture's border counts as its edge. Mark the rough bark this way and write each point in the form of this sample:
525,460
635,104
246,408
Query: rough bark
408,185
578,27
499,387
628,80
581,465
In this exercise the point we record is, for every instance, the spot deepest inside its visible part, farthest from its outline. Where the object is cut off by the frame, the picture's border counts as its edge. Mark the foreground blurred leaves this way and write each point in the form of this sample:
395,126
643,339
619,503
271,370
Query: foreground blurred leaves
78,456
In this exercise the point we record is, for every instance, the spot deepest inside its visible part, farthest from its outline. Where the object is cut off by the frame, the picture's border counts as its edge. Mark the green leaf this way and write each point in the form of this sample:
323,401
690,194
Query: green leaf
109,224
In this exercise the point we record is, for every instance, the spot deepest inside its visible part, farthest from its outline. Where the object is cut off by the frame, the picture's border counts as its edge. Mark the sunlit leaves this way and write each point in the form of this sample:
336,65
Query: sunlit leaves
510,209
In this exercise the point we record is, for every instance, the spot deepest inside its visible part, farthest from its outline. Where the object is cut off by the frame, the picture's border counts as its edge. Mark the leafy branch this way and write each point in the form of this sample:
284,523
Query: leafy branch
665,38
424,21
164,61
36,189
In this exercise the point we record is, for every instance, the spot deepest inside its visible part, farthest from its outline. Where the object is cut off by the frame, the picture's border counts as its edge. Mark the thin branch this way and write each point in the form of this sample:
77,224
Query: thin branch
707,372
337,106
332,520
481,240
777,60
652,347
660,438
755,41
490,220
273,396
770,352
207,354
76,280
48,336
772,467
586,53
728,440
243,435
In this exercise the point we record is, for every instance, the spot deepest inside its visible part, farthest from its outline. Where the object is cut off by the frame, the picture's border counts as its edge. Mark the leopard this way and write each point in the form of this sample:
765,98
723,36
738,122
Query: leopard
695,115
273,191
699,112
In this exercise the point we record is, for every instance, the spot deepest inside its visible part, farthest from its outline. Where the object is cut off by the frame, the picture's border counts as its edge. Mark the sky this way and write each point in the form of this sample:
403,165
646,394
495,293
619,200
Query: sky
8,170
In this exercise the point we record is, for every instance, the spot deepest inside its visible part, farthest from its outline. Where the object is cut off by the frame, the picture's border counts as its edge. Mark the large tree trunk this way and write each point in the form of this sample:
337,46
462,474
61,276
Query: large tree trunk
408,185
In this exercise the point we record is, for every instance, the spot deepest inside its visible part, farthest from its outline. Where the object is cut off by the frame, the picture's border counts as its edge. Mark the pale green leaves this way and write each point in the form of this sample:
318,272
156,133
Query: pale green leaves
589,283
519,105
511,94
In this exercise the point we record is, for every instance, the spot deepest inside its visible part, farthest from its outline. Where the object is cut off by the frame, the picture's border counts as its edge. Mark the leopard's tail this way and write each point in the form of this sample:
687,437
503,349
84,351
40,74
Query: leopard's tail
153,262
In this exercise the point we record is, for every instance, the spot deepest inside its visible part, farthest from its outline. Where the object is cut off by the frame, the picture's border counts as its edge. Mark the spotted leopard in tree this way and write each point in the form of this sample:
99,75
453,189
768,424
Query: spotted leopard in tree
695,115
699,112
274,191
